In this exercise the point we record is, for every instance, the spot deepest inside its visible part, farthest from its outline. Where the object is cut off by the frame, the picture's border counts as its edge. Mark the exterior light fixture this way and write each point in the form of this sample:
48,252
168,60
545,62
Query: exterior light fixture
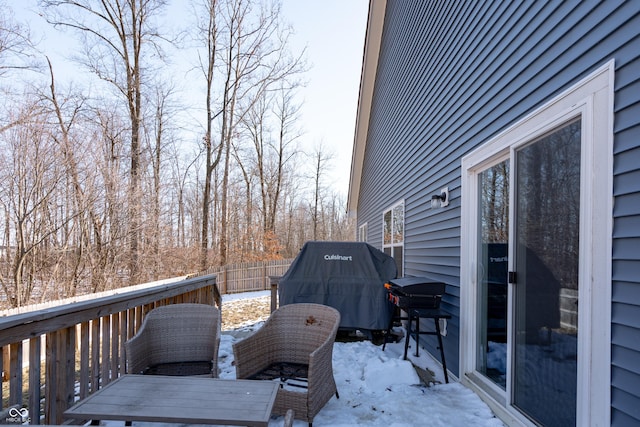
440,200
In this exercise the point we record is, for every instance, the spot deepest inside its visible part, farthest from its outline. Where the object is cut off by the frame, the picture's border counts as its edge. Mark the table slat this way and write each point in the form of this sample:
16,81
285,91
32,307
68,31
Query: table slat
189,400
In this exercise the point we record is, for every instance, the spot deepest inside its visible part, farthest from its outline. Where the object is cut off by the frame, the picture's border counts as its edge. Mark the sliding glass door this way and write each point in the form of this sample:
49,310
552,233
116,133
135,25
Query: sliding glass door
535,268
534,194
546,245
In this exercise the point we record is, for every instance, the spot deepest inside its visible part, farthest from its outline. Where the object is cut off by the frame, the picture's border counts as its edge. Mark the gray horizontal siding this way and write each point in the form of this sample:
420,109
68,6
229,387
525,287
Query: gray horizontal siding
453,74
625,327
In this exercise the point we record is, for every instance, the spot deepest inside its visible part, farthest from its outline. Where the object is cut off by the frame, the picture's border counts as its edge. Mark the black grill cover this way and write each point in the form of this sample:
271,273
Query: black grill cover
348,276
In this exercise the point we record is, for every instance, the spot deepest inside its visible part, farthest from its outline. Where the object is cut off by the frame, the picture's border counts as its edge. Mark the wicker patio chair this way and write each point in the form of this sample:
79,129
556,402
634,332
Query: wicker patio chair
294,346
176,339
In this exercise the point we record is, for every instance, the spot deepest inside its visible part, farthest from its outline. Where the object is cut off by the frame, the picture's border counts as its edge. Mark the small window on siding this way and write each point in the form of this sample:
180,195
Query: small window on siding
362,233
393,234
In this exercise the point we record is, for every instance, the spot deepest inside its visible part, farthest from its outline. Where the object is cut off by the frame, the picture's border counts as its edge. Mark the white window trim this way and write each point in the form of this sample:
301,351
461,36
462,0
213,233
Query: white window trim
404,226
363,229
592,98
390,209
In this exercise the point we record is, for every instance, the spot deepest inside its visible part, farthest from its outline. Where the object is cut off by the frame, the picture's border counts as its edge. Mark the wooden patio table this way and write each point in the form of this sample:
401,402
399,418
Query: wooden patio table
182,400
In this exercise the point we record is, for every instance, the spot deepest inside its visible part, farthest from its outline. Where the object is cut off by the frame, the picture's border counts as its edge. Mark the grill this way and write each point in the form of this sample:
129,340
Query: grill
415,292
420,298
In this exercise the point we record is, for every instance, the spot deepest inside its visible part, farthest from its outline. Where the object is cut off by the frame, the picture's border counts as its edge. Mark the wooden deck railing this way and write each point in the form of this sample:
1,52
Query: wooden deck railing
81,343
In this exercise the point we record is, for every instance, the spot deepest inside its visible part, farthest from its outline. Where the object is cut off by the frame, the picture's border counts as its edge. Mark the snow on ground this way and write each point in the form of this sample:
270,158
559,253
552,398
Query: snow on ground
380,389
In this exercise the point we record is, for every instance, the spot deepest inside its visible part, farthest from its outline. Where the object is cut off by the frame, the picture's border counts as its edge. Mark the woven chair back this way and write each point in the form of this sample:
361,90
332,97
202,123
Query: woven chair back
182,332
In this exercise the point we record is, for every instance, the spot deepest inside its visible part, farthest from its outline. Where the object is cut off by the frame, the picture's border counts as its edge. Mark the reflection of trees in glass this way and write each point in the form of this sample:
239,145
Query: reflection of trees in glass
398,224
493,193
549,199
494,196
387,228
393,229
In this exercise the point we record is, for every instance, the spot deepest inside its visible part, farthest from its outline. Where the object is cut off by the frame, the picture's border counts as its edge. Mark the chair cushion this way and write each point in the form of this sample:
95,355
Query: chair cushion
291,374
180,368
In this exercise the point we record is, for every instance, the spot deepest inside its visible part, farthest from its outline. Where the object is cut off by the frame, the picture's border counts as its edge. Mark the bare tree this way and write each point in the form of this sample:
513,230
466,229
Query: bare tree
246,51
340,226
207,35
321,163
249,237
283,149
182,183
15,55
271,129
15,43
258,59
31,177
159,135
116,34
80,204
98,185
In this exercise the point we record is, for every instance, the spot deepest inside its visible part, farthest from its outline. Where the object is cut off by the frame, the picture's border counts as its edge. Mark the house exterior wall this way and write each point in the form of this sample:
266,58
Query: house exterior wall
451,75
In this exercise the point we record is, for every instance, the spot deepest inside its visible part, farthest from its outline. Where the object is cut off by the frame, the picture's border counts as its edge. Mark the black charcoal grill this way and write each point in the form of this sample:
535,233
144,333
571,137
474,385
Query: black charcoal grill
415,292
418,297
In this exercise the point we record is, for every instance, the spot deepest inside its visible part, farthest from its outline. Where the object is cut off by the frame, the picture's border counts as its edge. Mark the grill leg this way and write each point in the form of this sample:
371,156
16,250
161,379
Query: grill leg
389,327
408,337
417,334
414,315
441,347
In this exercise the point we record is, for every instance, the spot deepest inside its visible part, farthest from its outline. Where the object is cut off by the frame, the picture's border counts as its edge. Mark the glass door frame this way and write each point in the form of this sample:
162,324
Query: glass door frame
501,157
592,100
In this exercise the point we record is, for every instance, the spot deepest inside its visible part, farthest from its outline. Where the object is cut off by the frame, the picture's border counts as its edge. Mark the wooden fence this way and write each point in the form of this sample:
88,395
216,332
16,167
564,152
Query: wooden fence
248,276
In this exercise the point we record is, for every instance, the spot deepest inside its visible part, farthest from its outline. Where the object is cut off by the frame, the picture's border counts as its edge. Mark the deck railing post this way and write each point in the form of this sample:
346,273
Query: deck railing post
274,292
15,377
35,370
